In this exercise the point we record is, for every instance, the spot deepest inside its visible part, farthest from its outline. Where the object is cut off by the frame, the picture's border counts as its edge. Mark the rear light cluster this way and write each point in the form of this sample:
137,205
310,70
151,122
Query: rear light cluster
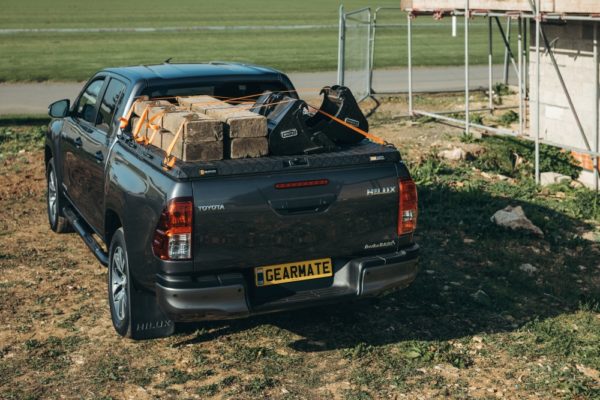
173,235
407,207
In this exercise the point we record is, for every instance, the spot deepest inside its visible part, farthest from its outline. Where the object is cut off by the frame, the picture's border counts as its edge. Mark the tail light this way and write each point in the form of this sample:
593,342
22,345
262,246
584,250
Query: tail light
173,235
407,207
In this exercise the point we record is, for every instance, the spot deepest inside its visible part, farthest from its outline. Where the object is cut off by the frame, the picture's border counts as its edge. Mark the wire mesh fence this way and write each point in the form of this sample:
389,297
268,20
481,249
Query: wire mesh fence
357,54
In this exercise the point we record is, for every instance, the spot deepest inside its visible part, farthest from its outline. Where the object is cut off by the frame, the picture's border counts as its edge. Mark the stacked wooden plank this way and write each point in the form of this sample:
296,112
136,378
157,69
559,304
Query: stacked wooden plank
209,129
200,136
245,131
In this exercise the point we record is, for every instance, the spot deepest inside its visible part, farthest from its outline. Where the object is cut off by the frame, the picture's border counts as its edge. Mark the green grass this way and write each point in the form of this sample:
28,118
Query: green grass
75,56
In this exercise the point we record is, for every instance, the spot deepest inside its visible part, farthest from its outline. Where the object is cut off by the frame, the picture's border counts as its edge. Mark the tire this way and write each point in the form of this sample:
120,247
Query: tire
54,201
134,311
119,284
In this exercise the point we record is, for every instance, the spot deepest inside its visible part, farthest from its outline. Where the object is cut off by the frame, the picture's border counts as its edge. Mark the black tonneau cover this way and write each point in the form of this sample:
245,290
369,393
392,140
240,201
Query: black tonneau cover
363,153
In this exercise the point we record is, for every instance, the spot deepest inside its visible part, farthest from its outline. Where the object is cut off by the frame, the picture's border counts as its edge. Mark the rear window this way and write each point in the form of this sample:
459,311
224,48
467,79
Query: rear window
221,90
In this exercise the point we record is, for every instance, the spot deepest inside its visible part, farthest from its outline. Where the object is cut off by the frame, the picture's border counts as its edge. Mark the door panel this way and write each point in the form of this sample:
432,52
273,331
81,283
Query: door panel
75,139
95,144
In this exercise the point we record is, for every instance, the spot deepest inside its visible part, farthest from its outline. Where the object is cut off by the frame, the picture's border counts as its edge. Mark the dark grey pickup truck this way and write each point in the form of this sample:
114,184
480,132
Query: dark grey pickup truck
222,239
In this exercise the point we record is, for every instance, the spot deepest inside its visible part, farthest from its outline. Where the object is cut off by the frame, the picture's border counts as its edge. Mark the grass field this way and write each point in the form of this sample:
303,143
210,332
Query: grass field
76,55
473,325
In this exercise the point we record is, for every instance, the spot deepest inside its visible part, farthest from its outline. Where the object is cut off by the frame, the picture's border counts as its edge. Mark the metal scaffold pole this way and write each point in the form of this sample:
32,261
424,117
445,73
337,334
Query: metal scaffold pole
520,76
410,80
506,51
596,105
369,47
490,65
538,17
341,47
467,116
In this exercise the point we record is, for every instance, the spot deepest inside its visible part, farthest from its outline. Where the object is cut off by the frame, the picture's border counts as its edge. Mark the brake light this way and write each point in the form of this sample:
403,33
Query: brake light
407,207
173,235
300,184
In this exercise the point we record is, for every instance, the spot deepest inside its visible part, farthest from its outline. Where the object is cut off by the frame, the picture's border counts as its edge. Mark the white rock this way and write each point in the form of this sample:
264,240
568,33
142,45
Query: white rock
455,154
514,218
528,268
576,184
550,178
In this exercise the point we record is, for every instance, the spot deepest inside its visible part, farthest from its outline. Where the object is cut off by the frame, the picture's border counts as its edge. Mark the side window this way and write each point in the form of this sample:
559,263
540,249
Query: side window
111,100
86,107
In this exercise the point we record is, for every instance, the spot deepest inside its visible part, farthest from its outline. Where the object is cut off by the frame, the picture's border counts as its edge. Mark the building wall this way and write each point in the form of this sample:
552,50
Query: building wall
572,44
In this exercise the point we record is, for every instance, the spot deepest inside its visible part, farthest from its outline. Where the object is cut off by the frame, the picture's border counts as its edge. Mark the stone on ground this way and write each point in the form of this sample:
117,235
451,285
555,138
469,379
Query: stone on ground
455,154
514,218
551,178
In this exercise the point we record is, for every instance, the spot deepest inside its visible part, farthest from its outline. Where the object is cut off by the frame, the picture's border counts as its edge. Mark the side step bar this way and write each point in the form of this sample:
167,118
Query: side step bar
82,228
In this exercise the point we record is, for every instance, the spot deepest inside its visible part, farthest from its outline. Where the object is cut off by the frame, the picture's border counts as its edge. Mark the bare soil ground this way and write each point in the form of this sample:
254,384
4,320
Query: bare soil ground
475,324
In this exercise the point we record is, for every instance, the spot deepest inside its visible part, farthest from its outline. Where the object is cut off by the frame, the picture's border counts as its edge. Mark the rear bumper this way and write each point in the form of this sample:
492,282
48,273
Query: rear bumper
227,296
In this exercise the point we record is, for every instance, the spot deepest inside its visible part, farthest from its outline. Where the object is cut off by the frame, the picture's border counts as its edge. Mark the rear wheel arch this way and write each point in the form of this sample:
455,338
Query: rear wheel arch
47,155
112,222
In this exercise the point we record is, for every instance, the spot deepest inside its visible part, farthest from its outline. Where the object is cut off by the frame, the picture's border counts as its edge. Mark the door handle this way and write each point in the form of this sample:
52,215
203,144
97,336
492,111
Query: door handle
99,156
77,142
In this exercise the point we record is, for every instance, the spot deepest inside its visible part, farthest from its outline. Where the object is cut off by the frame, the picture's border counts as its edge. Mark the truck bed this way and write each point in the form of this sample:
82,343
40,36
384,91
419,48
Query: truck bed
362,153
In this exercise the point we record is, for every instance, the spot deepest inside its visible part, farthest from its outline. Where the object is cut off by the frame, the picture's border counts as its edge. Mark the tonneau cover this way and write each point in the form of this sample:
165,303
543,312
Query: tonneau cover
363,153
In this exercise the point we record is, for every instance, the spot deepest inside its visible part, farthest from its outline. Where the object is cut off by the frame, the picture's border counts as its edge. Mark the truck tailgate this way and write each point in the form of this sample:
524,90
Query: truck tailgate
246,221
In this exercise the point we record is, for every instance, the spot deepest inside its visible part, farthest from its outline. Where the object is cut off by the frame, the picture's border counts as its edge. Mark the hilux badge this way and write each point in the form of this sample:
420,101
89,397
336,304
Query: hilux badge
382,190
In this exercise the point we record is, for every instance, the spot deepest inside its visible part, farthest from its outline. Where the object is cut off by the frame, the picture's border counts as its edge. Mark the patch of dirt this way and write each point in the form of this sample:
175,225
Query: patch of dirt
57,340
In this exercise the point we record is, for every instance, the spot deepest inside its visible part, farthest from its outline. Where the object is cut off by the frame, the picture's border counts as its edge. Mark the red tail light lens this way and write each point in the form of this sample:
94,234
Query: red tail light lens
173,235
407,208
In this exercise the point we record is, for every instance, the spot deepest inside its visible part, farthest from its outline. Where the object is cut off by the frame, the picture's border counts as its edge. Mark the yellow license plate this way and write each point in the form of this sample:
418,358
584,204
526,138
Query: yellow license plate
293,272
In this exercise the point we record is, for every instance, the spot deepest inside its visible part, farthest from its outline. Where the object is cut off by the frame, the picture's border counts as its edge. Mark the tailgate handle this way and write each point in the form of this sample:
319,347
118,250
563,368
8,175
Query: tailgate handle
303,205
296,162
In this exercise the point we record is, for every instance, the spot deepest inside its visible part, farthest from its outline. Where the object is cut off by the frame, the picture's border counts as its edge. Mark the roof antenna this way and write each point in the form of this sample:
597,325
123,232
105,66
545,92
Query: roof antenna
168,60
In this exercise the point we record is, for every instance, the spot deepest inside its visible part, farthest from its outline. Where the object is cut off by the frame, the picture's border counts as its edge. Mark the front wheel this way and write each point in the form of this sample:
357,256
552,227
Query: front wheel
57,221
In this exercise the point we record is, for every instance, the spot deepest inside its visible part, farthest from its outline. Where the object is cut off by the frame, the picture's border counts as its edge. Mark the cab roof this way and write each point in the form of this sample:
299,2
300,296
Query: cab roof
168,71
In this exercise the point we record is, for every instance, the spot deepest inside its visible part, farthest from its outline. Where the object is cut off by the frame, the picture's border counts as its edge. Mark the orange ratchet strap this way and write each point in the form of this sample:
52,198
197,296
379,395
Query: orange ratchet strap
155,128
125,120
169,160
369,136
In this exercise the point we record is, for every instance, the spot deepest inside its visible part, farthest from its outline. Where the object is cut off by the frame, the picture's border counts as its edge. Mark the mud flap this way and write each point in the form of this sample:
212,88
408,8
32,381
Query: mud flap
148,321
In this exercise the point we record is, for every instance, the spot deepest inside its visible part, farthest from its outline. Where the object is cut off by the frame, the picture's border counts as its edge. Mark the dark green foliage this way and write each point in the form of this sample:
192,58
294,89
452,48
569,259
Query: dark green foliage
500,89
476,119
515,157
508,118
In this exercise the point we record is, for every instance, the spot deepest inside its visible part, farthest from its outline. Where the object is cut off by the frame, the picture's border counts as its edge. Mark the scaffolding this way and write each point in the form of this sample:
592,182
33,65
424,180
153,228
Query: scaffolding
519,63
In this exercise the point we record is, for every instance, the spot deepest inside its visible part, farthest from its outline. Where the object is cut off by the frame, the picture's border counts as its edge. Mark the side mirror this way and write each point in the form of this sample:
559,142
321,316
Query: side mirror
59,109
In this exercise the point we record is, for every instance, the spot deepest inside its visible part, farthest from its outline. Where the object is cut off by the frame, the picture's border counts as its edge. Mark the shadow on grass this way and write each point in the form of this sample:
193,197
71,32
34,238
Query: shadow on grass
470,281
